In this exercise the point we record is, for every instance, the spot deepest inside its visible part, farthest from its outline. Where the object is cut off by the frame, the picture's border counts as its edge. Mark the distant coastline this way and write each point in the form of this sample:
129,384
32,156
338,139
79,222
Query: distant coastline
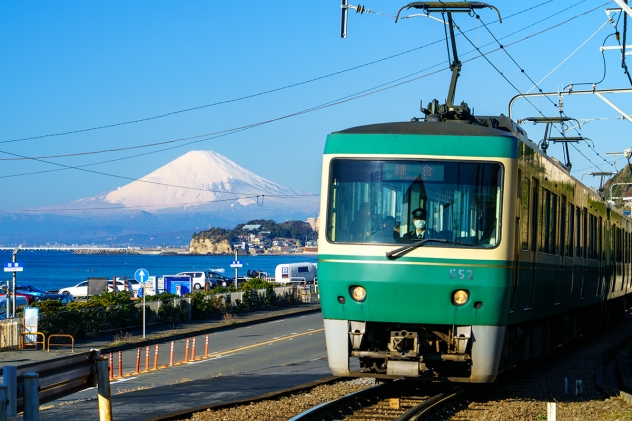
171,252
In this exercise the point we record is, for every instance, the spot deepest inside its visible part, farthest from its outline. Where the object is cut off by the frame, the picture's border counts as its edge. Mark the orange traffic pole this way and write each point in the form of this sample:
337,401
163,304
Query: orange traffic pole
120,364
147,358
156,358
206,348
137,361
193,351
186,351
111,367
171,356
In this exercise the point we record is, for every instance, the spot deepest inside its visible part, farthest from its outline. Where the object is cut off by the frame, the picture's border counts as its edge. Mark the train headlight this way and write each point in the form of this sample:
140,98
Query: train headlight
358,293
460,297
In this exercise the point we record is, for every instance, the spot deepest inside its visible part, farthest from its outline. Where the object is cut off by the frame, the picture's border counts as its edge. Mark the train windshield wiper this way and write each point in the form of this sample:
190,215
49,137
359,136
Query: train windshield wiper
403,250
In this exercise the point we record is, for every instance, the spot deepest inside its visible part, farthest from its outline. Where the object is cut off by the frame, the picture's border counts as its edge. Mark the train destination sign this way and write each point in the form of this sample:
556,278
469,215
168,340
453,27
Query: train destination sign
411,171
13,267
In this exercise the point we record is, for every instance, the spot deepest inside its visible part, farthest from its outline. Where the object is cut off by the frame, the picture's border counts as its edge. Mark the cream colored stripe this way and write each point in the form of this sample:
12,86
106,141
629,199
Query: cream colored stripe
476,265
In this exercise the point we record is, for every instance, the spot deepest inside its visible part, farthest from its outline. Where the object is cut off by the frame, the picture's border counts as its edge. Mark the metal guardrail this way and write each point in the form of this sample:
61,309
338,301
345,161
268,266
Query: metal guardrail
59,377
33,342
62,335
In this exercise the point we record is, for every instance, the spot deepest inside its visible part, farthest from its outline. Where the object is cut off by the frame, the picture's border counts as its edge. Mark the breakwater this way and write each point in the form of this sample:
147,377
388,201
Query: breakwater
105,251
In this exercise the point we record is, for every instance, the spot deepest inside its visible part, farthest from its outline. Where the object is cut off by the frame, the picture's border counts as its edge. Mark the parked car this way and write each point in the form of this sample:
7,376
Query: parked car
121,285
231,281
29,292
81,289
199,279
135,285
63,298
218,279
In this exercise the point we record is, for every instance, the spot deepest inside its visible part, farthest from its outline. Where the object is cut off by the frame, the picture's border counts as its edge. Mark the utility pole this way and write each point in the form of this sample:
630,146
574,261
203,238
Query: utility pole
15,253
236,268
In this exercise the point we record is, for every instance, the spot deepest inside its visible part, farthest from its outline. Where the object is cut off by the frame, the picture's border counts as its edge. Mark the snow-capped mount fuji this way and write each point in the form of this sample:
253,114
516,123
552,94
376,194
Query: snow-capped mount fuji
187,195
202,181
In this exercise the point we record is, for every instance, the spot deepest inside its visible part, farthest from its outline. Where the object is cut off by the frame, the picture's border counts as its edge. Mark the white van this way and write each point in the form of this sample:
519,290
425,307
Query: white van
295,272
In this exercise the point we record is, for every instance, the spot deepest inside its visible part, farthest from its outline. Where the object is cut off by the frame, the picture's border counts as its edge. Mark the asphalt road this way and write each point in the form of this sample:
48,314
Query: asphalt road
248,361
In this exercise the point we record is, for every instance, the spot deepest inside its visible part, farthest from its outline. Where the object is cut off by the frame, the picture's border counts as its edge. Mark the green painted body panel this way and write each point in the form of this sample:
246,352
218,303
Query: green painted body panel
414,290
499,147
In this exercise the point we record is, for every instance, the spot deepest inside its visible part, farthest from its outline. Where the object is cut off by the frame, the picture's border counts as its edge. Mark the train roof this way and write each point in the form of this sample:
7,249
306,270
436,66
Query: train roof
496,126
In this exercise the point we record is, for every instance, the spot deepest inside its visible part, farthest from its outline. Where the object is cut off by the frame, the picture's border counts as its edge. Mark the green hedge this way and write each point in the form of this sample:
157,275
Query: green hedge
112,311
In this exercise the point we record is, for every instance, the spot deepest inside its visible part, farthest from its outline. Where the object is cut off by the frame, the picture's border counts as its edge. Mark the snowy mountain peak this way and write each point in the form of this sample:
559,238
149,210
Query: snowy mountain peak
198,180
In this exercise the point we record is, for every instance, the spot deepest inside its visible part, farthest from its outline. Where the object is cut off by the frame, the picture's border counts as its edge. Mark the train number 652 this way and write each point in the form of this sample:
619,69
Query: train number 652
461,274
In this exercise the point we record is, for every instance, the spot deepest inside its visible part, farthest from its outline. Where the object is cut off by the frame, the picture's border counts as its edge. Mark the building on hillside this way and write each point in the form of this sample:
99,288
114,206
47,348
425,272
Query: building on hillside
313,222
251,227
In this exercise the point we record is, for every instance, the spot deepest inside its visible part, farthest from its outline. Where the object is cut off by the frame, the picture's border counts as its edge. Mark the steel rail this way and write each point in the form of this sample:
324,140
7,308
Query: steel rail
363,399
431,405
319,411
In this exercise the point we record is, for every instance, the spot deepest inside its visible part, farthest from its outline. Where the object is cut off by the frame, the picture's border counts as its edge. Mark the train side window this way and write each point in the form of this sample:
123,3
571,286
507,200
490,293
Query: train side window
545,222
534,214
594,237
584,247
619,245
524,215
563,226
600,253
571,231
553,233
578,231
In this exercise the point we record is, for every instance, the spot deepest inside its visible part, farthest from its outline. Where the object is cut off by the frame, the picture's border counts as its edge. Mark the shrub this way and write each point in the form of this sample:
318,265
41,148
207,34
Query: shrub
204,306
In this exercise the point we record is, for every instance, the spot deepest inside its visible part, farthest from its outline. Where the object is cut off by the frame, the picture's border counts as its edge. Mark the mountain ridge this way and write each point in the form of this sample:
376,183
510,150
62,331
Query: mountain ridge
197,189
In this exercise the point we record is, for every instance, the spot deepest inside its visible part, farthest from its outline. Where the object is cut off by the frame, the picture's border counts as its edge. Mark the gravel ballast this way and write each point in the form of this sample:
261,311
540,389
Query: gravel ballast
522,395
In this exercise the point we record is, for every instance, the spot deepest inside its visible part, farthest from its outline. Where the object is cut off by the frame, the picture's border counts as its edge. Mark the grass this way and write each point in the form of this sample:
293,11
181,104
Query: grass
229,319
134,389
122,338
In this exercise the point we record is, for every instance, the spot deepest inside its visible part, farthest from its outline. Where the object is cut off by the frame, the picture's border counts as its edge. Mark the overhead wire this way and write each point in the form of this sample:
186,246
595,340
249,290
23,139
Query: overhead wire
106,126
154,182
127,207
536,85
569,56
351,97
235,129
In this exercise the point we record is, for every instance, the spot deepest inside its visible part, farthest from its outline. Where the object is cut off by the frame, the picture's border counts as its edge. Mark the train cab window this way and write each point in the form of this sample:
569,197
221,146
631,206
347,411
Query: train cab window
578,231
373,201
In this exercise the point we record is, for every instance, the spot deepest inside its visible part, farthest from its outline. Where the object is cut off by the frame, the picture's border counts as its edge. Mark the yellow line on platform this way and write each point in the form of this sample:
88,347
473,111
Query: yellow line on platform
220,354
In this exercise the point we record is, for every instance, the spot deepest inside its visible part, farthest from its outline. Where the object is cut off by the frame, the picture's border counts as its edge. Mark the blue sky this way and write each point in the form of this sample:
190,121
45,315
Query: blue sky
74,65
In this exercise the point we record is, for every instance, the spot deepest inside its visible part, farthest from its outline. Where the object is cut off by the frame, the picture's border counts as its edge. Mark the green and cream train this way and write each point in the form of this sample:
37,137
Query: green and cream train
517,257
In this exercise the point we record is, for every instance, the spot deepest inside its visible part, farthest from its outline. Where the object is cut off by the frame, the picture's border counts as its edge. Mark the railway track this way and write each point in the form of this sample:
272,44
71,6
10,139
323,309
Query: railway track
397,401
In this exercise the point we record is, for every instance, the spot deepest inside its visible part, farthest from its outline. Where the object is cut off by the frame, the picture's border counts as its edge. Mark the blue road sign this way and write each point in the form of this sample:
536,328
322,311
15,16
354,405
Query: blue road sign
236,264
141,275
13,267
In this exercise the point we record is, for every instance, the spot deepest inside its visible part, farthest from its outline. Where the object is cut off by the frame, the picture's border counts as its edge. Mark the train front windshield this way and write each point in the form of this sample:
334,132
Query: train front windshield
374,201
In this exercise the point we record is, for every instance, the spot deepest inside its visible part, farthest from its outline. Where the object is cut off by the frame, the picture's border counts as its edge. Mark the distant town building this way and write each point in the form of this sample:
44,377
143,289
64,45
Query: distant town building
313,222
251,227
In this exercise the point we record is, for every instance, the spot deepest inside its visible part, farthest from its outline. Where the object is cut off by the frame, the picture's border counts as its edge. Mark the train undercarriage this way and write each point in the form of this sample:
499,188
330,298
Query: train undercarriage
455,353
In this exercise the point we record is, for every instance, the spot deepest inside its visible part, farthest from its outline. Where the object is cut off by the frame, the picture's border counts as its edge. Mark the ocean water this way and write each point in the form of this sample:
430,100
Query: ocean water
52,270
